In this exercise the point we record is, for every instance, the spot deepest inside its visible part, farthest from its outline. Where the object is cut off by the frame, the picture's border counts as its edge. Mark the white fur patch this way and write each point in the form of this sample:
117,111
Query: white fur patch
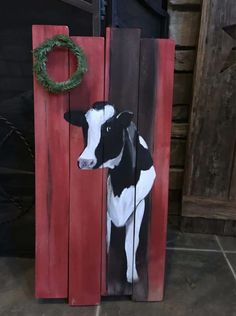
95,119
120,208
142,142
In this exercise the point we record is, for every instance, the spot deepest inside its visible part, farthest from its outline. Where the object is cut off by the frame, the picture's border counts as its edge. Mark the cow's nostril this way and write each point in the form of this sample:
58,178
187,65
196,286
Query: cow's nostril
85,163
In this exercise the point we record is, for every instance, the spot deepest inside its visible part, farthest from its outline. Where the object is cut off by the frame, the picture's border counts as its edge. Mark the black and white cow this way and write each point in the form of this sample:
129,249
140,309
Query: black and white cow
112,141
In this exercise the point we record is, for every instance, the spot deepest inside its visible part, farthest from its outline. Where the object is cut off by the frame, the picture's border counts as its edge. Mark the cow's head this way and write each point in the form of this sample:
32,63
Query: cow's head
104,130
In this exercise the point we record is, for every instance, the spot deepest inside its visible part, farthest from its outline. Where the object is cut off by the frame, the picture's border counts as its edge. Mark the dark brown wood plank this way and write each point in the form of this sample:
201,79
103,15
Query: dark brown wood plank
184,27
208,208
183,88
185,60
176,178
232,191
180,113
175,199
212,134
179,130
177,154
123,93
145,125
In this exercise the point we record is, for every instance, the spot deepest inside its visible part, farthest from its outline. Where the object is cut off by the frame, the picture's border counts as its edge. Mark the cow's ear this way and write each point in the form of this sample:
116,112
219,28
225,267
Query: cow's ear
125,118
75,118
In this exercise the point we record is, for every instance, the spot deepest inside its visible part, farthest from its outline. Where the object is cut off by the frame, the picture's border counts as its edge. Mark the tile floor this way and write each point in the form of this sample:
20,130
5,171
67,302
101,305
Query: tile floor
200,281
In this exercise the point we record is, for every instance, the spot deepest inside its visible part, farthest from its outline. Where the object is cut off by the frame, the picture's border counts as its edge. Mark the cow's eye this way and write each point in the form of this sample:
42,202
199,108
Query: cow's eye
108,128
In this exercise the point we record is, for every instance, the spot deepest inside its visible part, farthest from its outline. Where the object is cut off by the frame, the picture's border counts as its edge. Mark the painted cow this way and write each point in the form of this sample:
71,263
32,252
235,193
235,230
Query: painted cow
112,141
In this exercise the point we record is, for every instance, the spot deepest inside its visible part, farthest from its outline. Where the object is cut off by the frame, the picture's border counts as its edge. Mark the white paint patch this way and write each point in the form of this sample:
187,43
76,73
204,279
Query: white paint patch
95,119
142,142
121,212
120,207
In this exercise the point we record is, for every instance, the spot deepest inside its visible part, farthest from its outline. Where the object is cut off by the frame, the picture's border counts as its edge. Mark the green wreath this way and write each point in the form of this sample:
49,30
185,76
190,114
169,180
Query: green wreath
40,64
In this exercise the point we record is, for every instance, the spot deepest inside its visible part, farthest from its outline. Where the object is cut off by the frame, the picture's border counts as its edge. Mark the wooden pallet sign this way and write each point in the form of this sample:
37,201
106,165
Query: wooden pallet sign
116,149
148,95
52,174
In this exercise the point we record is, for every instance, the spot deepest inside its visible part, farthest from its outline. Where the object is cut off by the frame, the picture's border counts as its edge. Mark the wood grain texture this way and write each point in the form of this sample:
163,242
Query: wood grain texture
184,27
123,93
208,208
180,113
176,178
177,152
232,191
183,88
52,174
179,130
212,134
175,199
124,65
161,154
86,187
146,119
185,60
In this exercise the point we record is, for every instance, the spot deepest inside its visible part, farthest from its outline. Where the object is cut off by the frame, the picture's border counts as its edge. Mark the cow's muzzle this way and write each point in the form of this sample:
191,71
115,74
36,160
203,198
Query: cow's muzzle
86,163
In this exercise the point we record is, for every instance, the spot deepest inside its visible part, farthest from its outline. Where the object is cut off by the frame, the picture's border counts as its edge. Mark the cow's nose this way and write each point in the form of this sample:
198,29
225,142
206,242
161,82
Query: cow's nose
86,163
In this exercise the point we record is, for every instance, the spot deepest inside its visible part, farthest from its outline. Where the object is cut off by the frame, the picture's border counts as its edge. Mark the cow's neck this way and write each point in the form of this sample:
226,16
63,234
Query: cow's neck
123,175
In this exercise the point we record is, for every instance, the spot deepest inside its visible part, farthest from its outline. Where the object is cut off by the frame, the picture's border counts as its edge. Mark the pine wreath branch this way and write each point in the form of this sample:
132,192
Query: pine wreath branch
40,64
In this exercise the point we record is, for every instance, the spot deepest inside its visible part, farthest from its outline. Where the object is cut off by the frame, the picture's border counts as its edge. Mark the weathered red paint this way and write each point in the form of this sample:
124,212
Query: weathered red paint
104,207
71,203
161,154
86,187
52,174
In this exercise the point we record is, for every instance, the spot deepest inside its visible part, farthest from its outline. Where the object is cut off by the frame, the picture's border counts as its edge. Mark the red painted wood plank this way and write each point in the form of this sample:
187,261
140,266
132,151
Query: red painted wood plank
161,154
86,187
104,207
52,174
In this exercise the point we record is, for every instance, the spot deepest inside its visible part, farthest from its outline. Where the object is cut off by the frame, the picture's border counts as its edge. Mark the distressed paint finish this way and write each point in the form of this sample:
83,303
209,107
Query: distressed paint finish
145,123
86,186
52,174
152,109
122,69
91,272
161,157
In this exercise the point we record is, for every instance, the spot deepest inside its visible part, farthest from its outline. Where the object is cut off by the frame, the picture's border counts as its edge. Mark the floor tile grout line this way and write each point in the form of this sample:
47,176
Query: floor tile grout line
193,249
230,251
226,258
200,250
